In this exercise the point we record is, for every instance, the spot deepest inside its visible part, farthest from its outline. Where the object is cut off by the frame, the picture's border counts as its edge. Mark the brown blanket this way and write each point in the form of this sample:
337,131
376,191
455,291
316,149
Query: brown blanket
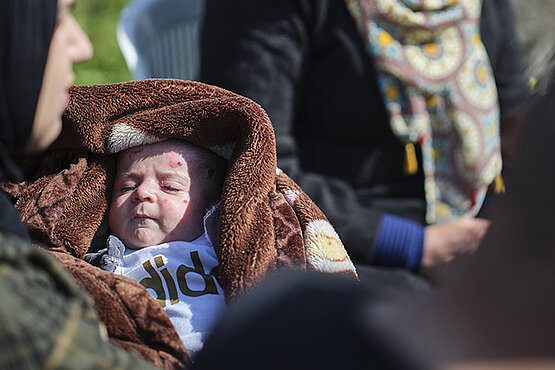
266,221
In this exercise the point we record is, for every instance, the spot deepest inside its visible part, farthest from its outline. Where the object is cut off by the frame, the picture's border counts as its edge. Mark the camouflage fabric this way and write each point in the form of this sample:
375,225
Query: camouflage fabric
46,321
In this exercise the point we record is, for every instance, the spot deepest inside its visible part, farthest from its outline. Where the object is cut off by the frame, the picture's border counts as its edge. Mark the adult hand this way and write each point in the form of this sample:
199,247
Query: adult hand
447,241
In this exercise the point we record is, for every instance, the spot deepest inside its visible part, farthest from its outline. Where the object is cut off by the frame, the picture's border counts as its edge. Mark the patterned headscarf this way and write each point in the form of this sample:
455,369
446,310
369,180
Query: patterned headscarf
438,88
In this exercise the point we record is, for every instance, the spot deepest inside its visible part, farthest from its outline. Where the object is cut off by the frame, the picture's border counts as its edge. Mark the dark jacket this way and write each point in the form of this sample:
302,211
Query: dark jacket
307,65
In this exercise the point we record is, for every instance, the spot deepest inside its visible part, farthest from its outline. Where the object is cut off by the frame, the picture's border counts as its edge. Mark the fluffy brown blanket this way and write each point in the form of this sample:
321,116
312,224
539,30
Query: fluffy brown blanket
266,221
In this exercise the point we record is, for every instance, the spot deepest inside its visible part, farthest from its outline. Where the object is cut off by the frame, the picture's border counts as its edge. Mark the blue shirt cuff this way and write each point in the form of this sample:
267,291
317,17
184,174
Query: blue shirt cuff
399,243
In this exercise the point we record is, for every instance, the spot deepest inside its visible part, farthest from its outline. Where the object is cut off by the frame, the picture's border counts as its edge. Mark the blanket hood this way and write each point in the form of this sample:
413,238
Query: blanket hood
266,221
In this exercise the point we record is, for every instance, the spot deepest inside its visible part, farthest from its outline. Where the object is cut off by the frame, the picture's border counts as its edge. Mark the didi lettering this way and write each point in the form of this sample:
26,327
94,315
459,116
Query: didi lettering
192,281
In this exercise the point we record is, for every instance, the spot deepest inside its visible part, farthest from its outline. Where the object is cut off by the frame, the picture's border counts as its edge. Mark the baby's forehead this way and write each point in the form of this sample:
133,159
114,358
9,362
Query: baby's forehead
172,151
162,149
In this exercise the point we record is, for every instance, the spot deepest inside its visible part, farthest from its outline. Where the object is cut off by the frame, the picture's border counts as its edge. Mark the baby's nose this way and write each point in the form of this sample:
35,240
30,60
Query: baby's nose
144,193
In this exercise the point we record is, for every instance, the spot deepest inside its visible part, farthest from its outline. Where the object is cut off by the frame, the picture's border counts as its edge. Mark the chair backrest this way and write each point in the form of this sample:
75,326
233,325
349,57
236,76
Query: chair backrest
161,38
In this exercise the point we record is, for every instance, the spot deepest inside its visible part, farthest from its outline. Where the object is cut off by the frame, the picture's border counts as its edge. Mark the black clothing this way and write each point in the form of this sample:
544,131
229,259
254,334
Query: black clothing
26,27
307,65
10,222
308,320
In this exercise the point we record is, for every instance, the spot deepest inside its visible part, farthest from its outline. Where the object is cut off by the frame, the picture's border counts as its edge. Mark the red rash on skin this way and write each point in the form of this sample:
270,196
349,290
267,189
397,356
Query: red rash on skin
165,202
174,159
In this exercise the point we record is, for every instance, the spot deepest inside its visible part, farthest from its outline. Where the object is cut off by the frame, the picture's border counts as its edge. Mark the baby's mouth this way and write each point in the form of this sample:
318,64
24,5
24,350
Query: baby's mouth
141,217
142,221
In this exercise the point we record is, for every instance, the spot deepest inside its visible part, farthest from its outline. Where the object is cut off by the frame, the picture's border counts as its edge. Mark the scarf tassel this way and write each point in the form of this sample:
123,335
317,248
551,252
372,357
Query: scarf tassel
499,184
411,162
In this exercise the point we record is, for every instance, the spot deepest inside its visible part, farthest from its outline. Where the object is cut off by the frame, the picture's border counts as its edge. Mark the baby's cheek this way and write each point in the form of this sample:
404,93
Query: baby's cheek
117,204
113,217
175,208
117,208
172,205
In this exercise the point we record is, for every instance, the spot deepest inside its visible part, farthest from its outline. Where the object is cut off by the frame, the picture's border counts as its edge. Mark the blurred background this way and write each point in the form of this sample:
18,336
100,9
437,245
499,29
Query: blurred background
536,32
99,19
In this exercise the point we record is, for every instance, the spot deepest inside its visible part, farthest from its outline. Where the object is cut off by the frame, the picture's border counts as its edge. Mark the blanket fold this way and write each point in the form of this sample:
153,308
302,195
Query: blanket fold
266,221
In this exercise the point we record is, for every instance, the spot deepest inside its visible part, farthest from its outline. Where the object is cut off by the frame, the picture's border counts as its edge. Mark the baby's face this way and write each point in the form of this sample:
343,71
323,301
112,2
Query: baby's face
156,197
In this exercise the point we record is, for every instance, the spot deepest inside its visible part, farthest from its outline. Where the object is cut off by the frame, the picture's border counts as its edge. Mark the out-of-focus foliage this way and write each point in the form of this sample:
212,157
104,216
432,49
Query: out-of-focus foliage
99,18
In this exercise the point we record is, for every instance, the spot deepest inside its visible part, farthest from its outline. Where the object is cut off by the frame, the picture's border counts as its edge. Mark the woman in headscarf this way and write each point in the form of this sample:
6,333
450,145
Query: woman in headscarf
46,321
40,41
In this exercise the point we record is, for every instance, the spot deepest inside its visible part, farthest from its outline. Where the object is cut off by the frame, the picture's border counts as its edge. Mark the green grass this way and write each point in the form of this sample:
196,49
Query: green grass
99,18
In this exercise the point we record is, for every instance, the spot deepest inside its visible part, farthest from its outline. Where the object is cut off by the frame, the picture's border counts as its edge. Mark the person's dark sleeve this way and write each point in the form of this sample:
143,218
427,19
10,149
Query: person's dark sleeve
10,220
501,42
259,49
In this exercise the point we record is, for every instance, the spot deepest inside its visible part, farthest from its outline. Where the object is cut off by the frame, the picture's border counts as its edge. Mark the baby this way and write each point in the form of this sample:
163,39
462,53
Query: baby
161,195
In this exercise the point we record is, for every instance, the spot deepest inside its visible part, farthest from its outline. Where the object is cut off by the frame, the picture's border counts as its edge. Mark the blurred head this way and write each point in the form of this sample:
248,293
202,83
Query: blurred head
69,45
162,192
39,42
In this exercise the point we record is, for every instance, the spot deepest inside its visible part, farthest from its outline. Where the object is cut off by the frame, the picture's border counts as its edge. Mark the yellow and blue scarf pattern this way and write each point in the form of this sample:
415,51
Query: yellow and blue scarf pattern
439,90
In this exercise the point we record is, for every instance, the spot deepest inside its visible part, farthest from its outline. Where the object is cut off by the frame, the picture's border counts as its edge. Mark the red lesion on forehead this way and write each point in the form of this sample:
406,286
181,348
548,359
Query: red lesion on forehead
175,160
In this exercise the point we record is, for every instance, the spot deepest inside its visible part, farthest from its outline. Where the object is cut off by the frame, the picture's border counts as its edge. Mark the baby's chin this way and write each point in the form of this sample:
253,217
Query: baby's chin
143,239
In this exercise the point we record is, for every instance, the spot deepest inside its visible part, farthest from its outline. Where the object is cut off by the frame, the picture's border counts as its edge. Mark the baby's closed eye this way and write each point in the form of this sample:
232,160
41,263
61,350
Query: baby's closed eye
171,187
126,186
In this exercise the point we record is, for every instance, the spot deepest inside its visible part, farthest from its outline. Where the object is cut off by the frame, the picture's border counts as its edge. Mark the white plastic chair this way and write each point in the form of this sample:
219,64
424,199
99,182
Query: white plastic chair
161,38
